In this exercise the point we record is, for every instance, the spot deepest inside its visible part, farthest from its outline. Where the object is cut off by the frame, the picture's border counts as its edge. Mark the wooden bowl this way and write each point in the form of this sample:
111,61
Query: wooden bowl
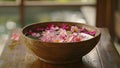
60,53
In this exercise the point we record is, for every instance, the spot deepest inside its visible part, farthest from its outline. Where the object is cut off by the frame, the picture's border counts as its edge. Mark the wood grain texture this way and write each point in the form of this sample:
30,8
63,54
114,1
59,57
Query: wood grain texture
107,52
105,15
104,55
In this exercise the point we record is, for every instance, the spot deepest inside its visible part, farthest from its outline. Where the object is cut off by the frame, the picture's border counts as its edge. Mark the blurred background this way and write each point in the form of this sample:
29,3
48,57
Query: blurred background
100,13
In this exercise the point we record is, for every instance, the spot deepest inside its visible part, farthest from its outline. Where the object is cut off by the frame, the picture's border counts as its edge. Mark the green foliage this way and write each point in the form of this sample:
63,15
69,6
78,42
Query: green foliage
7,0
30,36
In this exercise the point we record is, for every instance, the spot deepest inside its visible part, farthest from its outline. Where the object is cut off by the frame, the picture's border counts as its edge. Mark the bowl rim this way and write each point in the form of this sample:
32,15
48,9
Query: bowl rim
97,29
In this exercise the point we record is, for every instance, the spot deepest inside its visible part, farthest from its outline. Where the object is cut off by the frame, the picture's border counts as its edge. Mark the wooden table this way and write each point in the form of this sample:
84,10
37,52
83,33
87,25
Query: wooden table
104,55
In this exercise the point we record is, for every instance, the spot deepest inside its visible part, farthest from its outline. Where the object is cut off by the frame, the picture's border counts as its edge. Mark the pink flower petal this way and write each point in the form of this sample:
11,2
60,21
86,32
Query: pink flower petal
15,36
65,26
92,33
50,26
